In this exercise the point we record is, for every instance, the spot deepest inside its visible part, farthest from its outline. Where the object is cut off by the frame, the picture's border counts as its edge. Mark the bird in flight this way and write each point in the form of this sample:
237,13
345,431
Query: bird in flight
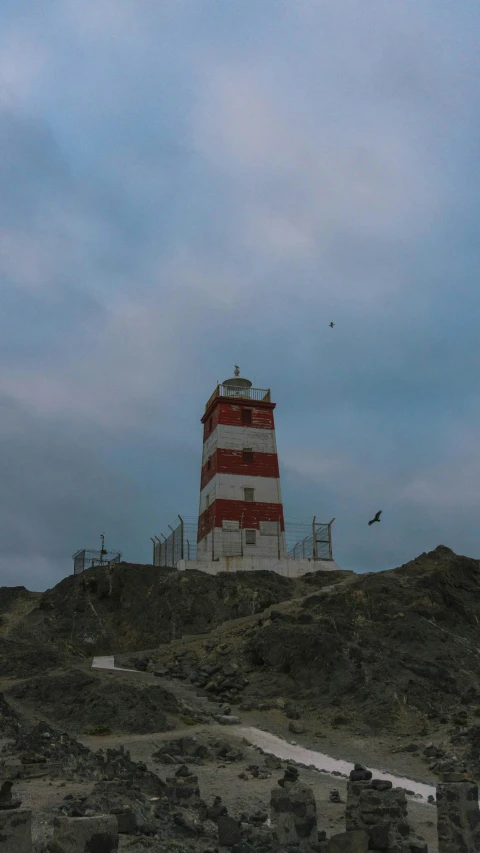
377,517
332,325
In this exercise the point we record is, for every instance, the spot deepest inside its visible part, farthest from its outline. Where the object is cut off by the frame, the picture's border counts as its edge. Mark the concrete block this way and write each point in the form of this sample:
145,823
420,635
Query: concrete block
97,834
16,831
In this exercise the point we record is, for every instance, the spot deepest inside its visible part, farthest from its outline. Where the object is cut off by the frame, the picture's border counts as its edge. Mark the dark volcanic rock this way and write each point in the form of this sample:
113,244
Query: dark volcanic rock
374,647
130,606
80,701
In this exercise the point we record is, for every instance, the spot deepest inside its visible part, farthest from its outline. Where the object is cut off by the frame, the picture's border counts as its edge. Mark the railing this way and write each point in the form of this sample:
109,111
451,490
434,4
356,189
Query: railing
87,559
260,394
301,539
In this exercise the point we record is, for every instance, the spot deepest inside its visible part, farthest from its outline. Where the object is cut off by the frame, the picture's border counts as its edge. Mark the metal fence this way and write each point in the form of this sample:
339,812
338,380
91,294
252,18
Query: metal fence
180,544
300,539
86,559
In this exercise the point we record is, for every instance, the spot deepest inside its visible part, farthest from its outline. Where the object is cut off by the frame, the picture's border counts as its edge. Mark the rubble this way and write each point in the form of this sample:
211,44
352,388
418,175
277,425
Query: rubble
196,750
69,759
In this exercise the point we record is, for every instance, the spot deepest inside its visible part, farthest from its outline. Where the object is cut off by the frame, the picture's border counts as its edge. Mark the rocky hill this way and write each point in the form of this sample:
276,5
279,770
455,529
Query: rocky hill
396,644
388,650
391,649
131,607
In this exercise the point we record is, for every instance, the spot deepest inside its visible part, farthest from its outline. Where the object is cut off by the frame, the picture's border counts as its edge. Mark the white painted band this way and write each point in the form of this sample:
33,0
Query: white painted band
230,487
236,438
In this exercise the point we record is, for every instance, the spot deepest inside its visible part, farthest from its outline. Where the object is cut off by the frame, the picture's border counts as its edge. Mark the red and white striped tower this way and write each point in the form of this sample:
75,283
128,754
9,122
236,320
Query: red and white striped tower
241,512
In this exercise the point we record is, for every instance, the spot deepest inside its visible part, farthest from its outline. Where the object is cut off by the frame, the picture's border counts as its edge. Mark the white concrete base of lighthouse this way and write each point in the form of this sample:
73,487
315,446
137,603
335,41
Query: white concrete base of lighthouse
282,566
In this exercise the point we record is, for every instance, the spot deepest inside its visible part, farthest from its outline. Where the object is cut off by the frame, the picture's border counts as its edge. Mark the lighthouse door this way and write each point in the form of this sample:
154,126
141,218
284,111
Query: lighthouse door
231,539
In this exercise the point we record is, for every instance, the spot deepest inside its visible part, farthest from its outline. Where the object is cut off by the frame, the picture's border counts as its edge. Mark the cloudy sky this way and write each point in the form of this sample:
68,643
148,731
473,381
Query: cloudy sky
190,184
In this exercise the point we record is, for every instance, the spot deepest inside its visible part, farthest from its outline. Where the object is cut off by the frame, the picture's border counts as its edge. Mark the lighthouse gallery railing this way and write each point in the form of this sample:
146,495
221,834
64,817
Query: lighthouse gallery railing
259,394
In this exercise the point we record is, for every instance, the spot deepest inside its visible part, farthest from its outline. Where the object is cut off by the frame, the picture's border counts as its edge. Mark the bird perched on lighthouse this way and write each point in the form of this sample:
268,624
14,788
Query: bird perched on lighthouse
377,518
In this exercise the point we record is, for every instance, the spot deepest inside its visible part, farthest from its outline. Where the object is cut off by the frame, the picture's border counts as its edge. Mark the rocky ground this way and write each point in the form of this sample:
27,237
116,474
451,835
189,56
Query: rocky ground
381,668
224,766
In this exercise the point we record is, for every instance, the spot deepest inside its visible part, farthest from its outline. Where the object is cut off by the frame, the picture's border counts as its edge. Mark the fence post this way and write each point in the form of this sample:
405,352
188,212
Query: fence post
314,537
164,548
153,561
188,550
181,537
330,553
159,550
172,537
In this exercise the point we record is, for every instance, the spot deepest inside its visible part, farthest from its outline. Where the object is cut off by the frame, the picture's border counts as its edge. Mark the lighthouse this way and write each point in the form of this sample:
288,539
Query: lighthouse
241,511
241,525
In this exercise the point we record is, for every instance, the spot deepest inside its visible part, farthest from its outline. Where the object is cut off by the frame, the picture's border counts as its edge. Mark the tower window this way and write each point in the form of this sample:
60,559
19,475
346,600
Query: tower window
207,501
250,537
249,495
210,425
246,416
269,528
247,454
209,464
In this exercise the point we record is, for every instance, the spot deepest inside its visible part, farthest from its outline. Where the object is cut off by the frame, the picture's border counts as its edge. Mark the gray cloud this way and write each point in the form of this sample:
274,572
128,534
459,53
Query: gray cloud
187,186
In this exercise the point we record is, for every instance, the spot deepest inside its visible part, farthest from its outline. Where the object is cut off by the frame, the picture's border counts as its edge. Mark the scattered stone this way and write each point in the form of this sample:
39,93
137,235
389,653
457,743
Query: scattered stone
360,773
334,796
290,776
297,728
226,719
183,786
382,785
291,711
272,762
